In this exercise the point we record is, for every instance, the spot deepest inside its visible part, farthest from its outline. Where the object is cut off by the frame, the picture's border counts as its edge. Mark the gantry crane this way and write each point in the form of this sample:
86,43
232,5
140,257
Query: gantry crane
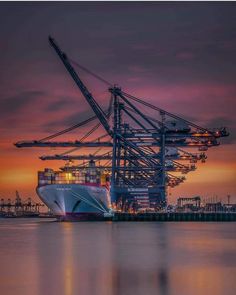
138,155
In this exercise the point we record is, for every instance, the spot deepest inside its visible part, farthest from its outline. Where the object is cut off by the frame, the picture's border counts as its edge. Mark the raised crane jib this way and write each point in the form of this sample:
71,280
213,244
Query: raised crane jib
88,96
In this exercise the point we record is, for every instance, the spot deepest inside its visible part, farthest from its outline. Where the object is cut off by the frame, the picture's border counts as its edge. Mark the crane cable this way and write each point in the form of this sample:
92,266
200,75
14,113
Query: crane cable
90,132
90,73
138,99
82,139
78,124
69,129
163,111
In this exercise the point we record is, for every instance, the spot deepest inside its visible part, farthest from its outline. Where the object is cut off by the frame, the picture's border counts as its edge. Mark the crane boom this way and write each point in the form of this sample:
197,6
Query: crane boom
66,157
35,143
88,96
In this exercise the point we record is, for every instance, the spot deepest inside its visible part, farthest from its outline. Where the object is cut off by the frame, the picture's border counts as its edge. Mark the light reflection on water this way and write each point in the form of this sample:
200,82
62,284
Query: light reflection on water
45,258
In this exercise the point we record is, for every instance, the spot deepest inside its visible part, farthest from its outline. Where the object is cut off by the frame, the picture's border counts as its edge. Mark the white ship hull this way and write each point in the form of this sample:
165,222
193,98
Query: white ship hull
76,201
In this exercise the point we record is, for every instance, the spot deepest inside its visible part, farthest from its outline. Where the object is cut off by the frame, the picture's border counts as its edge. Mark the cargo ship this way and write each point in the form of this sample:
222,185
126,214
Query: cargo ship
76,193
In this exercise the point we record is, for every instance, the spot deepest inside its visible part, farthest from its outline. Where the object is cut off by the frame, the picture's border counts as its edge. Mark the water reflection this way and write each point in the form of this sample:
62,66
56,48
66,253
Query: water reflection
69,267
139,258
18,258
117,258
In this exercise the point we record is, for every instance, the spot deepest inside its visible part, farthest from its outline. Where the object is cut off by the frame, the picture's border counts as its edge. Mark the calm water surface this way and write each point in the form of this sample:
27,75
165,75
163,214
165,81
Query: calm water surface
41,257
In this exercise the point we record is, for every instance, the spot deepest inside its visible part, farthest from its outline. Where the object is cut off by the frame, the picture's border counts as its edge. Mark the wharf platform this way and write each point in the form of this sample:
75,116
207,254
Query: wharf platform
176,216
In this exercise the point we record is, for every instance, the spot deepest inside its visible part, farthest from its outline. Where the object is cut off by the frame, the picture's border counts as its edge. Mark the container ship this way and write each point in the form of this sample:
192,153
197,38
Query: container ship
76,193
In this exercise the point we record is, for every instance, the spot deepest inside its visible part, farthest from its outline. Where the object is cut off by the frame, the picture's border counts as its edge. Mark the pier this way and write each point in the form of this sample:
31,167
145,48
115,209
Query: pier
176,216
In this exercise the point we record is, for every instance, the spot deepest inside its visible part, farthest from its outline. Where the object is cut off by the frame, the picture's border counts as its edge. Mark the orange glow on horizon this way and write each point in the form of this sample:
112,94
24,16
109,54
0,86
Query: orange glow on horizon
215,177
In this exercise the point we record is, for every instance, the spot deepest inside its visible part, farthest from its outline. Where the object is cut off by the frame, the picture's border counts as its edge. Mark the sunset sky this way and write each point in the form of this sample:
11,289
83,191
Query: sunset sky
179,56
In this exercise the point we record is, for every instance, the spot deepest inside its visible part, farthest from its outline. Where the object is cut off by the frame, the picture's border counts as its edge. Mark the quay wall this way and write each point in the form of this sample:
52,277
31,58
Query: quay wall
175,216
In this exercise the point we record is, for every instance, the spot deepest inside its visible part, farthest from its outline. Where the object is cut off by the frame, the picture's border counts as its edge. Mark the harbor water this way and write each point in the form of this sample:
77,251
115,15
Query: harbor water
43,257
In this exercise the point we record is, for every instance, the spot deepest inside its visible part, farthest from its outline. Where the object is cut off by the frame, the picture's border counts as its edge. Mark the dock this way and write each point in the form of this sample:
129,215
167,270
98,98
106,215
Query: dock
176,217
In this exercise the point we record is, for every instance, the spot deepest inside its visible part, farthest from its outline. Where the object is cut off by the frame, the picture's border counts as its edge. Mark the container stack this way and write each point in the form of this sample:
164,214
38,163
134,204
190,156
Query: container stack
90,175
46,177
